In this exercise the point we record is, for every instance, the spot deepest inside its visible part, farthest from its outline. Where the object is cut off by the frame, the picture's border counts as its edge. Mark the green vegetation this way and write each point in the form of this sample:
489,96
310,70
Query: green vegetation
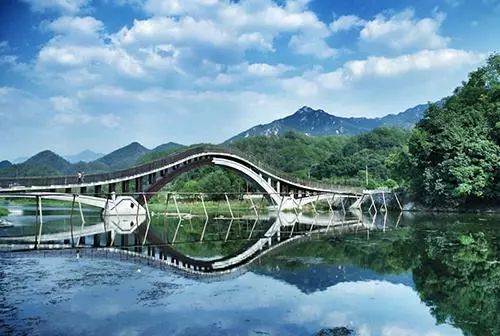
192,205
339,160
466,289
454,152
455,265
211,180
189,232
4,211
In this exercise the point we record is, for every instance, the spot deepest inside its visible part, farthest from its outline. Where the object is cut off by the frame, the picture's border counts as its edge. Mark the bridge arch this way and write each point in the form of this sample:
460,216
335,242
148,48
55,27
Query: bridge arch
233,165
149,178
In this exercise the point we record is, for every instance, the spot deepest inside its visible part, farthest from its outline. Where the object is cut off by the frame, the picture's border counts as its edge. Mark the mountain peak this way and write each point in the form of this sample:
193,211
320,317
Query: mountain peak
125,156
45,154
305,109
313,122
134,144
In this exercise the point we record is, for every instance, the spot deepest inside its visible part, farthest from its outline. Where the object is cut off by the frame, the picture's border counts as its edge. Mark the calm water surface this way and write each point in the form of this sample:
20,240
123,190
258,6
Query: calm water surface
429,275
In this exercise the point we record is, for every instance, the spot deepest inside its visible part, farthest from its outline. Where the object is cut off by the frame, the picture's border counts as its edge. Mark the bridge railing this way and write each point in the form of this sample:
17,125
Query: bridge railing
8,182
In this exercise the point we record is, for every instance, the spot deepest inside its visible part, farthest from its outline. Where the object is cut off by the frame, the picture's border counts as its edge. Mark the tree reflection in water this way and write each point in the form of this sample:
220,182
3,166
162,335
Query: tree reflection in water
454,262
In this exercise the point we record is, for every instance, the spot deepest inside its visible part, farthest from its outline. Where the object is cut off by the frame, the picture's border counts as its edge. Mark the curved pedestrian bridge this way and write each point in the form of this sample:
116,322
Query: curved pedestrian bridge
148,179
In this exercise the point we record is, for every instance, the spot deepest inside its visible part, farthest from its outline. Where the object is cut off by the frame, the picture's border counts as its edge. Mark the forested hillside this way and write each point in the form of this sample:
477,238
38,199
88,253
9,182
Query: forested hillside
453,155
339,160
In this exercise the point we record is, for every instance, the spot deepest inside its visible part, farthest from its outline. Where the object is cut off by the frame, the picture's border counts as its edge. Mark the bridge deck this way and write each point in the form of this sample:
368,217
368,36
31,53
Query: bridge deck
18,184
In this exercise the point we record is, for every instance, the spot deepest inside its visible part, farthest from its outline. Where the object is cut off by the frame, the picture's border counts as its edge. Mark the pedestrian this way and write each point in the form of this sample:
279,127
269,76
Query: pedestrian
83,176
80,177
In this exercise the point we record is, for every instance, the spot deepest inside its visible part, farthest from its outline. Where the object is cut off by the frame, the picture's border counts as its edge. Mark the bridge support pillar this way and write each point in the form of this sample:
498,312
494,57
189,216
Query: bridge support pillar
97,240
138,184
151,178
125,186
108,239
97,190
278,187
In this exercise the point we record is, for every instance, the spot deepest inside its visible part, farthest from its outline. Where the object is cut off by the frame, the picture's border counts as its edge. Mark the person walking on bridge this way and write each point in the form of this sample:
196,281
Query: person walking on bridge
80,177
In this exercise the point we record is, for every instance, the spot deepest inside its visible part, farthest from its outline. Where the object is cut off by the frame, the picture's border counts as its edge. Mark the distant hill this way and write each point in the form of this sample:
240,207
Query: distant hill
41,164
167,147
124,157
5,164
49,163
160,151
84,156
319,123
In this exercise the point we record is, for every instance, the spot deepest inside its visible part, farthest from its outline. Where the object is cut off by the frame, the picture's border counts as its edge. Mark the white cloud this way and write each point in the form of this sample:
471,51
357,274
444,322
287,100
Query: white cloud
346,22
12,63
68,112
177,7
64,57
419,61
306,45
64,104
244,74
403,31
378,74
62,6
332,80
248,24
267,70
4,46
76,26
301,86
183,31
67,119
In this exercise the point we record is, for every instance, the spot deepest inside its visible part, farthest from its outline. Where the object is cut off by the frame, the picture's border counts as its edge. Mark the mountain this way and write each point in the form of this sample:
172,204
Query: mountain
5,164
123,157
408,118
49,163
42,164
160,151
167,147
85,156
321,277
318,123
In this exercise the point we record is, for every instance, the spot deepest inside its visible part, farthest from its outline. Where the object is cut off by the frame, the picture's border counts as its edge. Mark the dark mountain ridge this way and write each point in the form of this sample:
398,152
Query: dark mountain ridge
125,156
48,163
320,123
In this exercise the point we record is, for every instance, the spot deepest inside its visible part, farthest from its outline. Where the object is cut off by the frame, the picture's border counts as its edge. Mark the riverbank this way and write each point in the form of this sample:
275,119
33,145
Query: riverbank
213,208
410,203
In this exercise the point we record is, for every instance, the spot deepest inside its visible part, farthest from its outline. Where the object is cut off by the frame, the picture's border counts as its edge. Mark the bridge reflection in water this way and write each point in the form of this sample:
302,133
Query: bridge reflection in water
197,245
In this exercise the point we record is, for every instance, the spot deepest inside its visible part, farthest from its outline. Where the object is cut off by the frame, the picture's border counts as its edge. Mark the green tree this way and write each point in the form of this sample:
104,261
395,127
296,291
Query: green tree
454,150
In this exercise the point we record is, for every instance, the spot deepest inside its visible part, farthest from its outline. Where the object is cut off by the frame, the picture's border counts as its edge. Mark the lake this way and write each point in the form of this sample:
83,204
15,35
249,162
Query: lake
401,274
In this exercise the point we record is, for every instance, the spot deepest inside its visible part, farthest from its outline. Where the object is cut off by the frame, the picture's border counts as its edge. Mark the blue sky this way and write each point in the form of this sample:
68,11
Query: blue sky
100,74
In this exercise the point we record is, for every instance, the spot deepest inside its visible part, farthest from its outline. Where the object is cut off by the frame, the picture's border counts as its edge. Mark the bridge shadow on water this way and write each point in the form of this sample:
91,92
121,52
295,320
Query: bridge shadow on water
196,245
